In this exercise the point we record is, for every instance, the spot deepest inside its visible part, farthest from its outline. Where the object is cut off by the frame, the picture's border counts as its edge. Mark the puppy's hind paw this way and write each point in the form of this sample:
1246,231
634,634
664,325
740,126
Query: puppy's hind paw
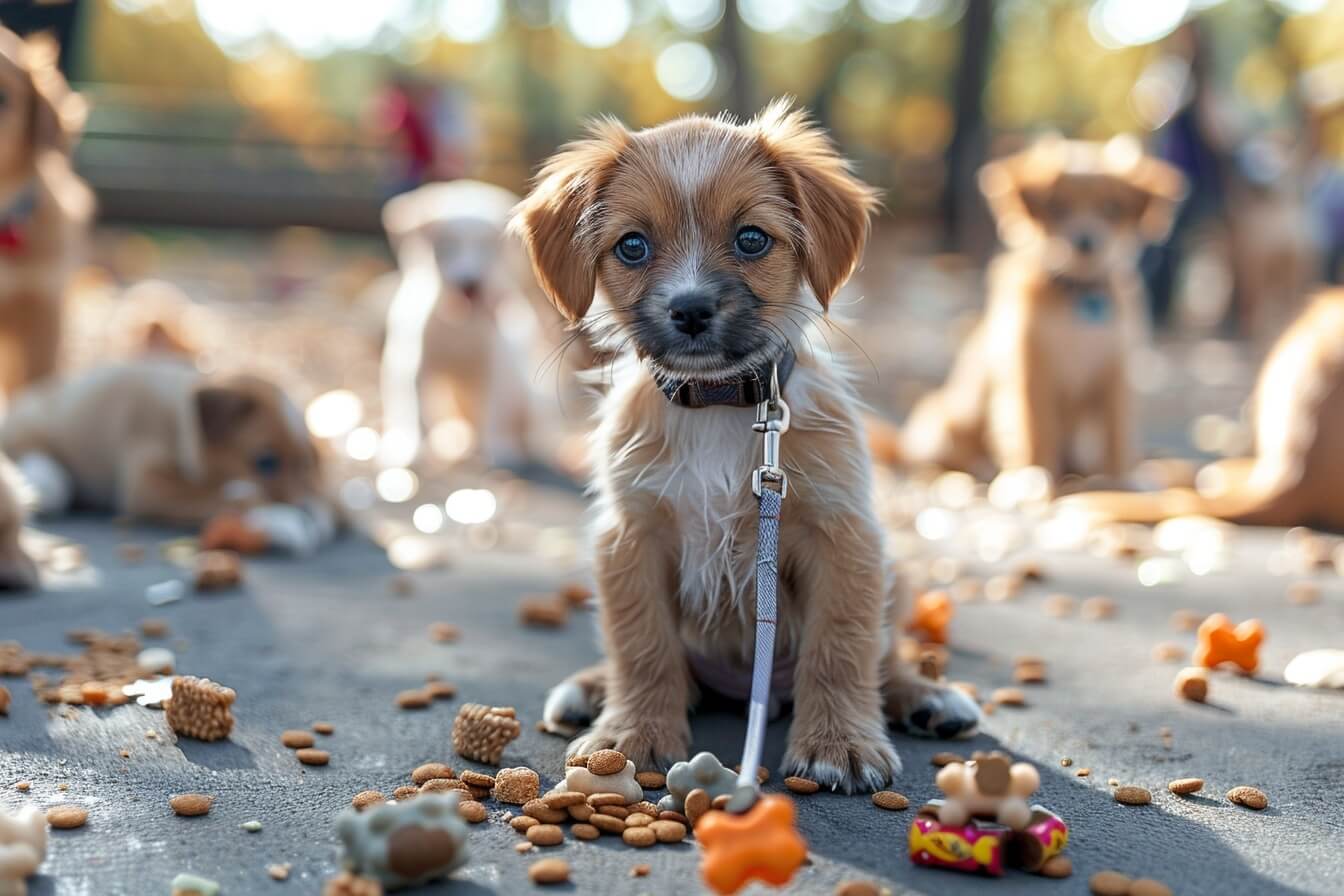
936,711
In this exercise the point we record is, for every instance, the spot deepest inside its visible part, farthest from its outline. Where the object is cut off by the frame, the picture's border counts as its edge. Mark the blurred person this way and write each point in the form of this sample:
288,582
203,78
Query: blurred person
432,130
1065,313
45,208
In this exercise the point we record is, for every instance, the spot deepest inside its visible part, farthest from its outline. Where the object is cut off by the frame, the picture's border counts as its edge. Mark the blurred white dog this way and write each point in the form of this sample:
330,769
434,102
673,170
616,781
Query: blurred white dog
464,335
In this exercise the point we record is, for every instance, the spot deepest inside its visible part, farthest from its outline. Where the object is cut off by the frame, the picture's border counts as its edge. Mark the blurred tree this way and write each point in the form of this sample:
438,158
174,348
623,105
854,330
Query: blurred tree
965,224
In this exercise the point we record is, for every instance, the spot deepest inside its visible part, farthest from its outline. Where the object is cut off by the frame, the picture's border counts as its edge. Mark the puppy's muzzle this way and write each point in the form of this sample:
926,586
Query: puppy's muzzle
691,312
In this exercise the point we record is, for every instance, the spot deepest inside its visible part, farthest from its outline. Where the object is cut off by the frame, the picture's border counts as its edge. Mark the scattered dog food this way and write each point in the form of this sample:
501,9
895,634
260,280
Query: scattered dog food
641,870
1148,887
801,785
584,831
1249,797
931,617
1304,594
576,595
480,733
4,700
1185,620
189,805
278,872
429,771
296,740
702,772
324,728
200,708
563,799
1029,670
366,798
543,612
890,800
1109,883
1221,642
231,532
252,827
516,786
545,814
347,884
856,888
606,762
696,804
521,823
23,786
313,756
66,817
1057,867
155,627
405,792
545,835
217,570
1131,795
1192,683
1097,608
191,885
479,779
945,758
414,699
444,632
1008,697
440,690
1167,652
639,837
1059,605
548,871
472,811
1183,786
651,780
668,831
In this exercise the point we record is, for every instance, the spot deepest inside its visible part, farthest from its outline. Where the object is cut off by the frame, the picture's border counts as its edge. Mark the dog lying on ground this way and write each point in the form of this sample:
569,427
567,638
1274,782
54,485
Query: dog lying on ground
156,440
708,248
1297,475
1064,313
461,325
45,208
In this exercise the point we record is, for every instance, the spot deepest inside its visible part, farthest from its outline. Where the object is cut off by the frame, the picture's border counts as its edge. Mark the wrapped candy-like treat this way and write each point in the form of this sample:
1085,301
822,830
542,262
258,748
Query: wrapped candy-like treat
404,844
967,847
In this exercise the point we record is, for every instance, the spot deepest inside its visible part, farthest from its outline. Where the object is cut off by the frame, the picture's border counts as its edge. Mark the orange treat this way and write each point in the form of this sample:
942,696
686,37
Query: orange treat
761,844
933,612
228,532
1220,642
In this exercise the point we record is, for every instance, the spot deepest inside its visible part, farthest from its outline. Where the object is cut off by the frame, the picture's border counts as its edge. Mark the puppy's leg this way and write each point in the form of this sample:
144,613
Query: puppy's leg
31,351
1117,424
156,490
1024,417
838,737
17,570
649,683
914,703
403,354
574,702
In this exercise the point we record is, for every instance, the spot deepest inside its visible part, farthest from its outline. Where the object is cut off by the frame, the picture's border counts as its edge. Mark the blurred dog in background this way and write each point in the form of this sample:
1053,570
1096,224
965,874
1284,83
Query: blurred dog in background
1064,314
17,569
45,208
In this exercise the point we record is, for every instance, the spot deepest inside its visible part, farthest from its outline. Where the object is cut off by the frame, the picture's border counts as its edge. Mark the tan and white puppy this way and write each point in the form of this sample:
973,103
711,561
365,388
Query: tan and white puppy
45,208
1064,316
17,569
157,440
462,334
1297,475
707,248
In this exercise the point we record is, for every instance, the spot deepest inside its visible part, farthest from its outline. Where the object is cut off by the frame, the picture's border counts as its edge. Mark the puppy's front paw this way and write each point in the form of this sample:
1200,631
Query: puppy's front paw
932,710
841,754
647,742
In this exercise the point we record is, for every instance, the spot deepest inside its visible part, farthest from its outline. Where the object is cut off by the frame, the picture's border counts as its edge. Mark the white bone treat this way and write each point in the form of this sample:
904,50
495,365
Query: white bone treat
704,772
405,844
579,780
23,847
1316,669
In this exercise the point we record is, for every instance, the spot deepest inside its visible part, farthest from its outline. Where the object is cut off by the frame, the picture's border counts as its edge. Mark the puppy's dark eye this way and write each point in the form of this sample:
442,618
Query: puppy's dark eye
266,464
633,249
751,242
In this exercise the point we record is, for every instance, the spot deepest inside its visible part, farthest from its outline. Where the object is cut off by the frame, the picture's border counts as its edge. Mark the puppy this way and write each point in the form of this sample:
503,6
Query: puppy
460,326
17,570
1297,475
158,441
45,208
707,248
1064,314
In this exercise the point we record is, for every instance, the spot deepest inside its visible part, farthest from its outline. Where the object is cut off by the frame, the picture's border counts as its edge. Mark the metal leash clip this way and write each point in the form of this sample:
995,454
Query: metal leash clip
772,421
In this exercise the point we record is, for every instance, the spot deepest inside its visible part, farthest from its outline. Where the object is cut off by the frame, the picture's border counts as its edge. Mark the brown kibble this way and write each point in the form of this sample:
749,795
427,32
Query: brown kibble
1109,883
414,699
945,758
1057,866
348,884
563,799
651,780
543,813
1192,683
296,740
445,785
579,760
200,708
324,728
545,835
697,804
606,799
190,805
888,799
721,801
549,871
613,811
1133,796
404,793
1183,786
516,786
311,756
4,700
1185,620
638,820
856,888
543,612
1008,697
472,811
481,733
1167,652
524,848
644,806
640,837
1097,608
668,831
641,871
278,872
1146,886
521,823
67,817
606,823
1066,762
606,762
1083,772
669,815
217,570
580,812
1113,782
473,778
1029,670
801,785
366,798
444,632
440,690
429,771
154,627
1059,605
23,786
584,831
1249,797
575,595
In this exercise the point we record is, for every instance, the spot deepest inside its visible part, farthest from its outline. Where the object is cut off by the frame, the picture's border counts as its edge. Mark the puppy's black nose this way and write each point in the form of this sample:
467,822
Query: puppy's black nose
1084,243
691,312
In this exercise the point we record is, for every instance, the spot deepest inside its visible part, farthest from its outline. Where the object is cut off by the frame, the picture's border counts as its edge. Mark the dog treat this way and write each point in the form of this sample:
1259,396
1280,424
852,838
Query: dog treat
440,690
414,699
1185,620
543,612
696,804
1008,697
991,787
23,786
584,831
1316,669
191,885
67,816
1148,887
856,888
801,785
931,617
668,831
762,844
190,805
580,812
1059,605
945,758
347,884
1057,867
606,762
1109,883
620,788
1096,608
444,632
607,823
1192,683
429,771
1132,796
563,799
702,772
548,871
366,798
1249,797
445,785
23,847
521,823
890,800
405,793
644,806
4,700
1167,652
639,837
641,870
217,570
651,780
524,848
313,756
154,627
278,872
614,811
252,827
1221,642
515,786
545,835
230,532
404,844
1029,670
1083,772
480,733
638,820
579,759
472,811
200,709
575,595
473,778
296,740
324,728
543,813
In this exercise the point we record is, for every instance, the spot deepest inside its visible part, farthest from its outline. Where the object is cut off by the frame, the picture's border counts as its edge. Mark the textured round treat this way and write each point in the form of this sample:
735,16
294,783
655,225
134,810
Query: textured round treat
545,835
200,708
585,831
1146,886
312,756
516,786
1109,883
580,812
801,785
549,871
856,888
324,728
887,799
478,779
1192,684
544,813
644,806
651,780
521,823
563,799
414,699
429,771
638,820
366,798
945,758
404,793
579,760
1057,866
191,804
606,762
639,837
472,811
1249,797
481,733
668,831
1183,786
697,804
1133,796
445,785
67,816
296,740
607,824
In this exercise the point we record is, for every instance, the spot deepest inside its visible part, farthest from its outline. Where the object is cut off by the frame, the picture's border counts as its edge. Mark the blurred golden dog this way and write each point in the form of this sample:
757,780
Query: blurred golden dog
1064,314
157,440
45,208
1297,475
709,249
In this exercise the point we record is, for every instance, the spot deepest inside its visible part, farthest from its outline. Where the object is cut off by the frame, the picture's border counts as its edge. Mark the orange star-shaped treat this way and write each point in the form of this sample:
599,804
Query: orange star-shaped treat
933,612
230,532
761,844
1221,642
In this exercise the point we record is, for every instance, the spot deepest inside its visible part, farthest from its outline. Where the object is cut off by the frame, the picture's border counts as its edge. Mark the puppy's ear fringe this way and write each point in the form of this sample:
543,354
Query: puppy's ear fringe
1000,184
58,113
554,221
835,207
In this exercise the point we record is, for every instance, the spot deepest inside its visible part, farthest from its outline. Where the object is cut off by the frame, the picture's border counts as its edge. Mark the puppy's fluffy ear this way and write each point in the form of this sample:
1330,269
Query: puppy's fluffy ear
1017,187
834,207
58,113
1162,186
221,410
554,221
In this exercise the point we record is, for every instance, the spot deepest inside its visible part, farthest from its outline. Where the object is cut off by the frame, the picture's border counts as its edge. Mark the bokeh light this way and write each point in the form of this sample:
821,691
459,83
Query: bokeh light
598,23
769,15
428,518
1132,23
333,414
471,506
686,71
397,485
694,15
469,21
362,443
